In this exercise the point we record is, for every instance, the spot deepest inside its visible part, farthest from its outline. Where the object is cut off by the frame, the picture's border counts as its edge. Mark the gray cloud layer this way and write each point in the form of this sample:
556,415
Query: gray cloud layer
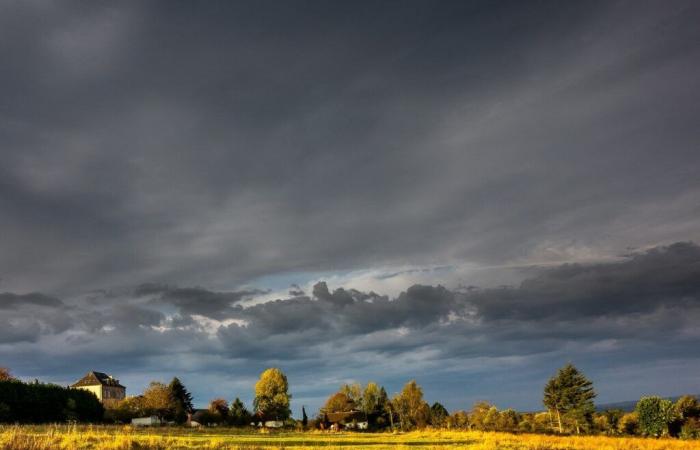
604,316
210,145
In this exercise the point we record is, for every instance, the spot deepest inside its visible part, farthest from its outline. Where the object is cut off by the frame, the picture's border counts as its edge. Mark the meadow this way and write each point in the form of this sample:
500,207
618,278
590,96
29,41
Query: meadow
64,437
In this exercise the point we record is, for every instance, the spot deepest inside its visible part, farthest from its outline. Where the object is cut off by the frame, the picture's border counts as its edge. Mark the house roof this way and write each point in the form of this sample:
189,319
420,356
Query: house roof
344,416
97,379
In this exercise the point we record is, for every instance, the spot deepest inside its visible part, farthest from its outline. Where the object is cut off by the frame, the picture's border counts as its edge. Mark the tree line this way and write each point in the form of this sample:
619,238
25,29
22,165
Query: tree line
568,397
45,403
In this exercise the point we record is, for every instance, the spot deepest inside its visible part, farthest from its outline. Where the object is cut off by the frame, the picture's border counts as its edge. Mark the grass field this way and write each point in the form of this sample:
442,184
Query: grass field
110,437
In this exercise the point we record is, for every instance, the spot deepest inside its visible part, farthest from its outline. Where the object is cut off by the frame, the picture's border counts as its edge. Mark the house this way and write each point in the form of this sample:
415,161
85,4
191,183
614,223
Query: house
105,387
352,419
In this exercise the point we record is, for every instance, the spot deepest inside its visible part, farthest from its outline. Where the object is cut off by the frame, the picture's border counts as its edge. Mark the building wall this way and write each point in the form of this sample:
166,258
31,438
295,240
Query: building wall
113,393
97,390
108,395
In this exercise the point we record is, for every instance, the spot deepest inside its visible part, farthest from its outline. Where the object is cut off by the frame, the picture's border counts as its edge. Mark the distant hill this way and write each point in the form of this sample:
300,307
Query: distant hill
628,406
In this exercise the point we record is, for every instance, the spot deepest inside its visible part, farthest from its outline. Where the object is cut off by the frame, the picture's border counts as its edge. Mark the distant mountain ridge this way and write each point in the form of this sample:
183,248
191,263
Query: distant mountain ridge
628,406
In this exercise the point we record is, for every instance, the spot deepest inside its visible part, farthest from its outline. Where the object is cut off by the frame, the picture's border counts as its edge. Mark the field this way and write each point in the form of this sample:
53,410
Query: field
111,437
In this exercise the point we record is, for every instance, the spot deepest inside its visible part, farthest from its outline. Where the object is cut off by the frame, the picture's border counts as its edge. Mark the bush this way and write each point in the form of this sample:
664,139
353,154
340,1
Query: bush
628,424
690,429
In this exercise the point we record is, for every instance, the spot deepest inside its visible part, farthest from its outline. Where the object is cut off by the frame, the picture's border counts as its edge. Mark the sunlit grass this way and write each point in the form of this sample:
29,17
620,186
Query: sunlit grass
116,438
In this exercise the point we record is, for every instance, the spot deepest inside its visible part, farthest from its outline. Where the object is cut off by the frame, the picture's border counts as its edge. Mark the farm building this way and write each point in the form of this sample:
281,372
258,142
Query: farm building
106,388
345,420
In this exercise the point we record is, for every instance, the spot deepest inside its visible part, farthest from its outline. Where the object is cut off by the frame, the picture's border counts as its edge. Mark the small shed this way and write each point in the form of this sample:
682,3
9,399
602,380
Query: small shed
146,421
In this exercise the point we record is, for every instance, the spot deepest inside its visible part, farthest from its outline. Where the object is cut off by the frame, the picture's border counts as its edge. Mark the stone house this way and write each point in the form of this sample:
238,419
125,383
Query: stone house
106,388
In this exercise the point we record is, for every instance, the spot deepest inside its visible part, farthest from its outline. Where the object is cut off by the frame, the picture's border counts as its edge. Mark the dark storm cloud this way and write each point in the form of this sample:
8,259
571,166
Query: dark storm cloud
196,300
589,302
665,277
643,307
210,145
9,300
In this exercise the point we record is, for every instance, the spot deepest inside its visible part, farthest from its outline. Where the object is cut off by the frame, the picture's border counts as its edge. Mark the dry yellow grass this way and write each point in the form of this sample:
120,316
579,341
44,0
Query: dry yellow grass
123,438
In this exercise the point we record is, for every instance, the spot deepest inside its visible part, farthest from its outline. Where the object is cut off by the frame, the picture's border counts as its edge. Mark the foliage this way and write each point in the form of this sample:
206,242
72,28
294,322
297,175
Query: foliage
127,409
438,415
238,414
412,410
180,401
271,396
629,424
219,409
372,399
655,415
479,416
687,407
338,402
570,394
608,421
41,403
353,392
156,401
5,374
690,429
508,420
458,420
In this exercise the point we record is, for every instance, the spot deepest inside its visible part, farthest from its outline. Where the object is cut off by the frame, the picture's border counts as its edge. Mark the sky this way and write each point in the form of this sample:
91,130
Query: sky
466,193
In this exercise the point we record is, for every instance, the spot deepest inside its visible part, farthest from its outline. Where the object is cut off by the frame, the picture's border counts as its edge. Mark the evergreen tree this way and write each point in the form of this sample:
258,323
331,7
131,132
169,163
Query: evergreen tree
181,400
438,415
386,407
570,394
238,413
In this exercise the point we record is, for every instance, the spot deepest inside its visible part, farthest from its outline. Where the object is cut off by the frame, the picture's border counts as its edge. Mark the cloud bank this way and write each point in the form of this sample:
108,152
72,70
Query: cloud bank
608,317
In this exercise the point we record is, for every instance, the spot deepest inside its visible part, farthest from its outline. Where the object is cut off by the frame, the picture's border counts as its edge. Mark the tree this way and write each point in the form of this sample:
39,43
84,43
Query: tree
127,409
438,415
687,406
508,420
219,408
413,411
479,415
238,413
5,374
157,401
386,407
338,402
271,397
459,420
353,391
655,415
42,403
372,399
570,394
613,417
181,401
